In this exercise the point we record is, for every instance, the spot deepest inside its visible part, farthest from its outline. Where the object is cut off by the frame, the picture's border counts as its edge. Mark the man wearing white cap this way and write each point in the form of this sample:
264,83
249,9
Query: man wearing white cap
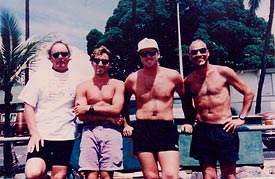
155,135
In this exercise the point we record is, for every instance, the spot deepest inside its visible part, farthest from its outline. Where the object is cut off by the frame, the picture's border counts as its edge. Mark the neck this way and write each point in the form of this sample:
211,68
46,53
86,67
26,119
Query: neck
60,70
151,70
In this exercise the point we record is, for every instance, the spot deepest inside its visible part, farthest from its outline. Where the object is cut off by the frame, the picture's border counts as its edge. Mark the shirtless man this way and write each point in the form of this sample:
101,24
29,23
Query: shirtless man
155,136
98,104
214,136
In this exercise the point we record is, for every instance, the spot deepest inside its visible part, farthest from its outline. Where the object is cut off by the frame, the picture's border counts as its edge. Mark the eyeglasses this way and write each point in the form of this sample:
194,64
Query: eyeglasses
97,61
150,52
201,50
63,54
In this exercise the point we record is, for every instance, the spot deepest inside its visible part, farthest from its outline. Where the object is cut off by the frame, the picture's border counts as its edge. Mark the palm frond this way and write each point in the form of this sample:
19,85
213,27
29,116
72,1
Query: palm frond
254,4
10,33
26,52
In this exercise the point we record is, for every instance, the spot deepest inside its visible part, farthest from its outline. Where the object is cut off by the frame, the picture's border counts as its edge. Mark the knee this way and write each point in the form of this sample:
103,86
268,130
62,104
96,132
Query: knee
35,170
35,173
151,175
207,174
59,176
170,175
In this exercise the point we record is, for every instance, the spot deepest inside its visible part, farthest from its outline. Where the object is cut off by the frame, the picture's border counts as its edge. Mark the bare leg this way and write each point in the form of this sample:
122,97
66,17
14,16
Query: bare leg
106,175
209,171
35,168
148,165
228,171
169,162
59,172
91,174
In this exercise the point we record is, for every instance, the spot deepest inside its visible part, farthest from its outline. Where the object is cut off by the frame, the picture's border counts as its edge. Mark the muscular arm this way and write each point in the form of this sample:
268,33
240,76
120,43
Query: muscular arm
240,86
127,131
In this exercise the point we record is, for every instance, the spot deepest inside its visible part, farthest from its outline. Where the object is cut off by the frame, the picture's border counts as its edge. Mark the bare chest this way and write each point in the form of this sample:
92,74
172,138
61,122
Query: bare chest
154,89
97,94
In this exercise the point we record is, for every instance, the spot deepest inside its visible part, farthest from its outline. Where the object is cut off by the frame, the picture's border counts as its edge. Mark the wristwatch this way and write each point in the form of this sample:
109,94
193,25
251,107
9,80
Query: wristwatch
91,110
242,116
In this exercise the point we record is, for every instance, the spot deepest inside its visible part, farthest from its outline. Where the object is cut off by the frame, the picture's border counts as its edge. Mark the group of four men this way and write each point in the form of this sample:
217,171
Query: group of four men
52,101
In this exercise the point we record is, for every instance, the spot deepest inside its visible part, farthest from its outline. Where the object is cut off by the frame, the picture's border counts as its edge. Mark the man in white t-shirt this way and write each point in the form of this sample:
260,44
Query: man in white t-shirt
49,101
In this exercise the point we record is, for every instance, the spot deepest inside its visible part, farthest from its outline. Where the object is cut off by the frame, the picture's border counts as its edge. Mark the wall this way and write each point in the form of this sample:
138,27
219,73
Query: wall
251,77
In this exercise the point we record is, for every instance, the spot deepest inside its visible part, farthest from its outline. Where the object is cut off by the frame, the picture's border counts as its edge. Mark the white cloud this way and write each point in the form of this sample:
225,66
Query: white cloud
69,19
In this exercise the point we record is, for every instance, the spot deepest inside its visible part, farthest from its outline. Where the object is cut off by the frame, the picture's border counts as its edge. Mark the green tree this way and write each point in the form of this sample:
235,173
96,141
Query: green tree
225,25
92,38
14,55
254,4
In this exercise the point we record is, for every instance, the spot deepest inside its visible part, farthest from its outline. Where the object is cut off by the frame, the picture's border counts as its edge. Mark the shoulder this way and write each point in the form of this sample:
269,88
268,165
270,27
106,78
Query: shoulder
83,85
116,82
40,76
171,74
132,77
225,71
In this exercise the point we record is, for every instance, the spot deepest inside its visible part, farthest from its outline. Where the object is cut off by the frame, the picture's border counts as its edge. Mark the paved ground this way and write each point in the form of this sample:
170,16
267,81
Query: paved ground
268,168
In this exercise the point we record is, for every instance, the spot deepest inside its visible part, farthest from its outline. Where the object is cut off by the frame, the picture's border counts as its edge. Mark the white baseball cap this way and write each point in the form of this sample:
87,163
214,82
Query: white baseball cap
147,43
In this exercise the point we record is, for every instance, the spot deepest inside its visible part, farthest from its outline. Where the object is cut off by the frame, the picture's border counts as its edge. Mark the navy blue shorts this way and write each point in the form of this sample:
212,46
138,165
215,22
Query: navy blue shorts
155,136
54,153
210,143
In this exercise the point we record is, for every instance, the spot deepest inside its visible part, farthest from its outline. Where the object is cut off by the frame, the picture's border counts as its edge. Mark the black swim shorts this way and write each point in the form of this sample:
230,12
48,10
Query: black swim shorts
155,136
54,153
210,143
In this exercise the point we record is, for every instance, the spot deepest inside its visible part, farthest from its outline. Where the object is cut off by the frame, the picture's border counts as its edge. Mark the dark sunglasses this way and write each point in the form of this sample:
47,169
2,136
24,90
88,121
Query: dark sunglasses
201,50
97,61
150,52
63,54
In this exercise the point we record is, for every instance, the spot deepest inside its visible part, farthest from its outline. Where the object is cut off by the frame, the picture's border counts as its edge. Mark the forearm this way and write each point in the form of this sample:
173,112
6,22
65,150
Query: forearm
107,110
29,116
247,103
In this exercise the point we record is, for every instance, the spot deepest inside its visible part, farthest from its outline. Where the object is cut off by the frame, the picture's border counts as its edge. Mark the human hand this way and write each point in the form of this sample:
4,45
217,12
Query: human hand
186,128
34,143
116,120
231,125
128,131
81,109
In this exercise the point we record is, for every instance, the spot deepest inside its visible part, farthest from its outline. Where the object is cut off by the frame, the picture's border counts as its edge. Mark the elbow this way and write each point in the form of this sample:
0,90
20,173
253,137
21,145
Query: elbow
251,94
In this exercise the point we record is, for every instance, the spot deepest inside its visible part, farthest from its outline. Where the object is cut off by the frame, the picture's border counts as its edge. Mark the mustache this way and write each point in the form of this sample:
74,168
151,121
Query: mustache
200,56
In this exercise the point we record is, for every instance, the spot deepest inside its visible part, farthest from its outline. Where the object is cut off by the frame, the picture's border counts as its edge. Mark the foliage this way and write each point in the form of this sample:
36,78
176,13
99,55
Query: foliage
92,38
231,32
14,54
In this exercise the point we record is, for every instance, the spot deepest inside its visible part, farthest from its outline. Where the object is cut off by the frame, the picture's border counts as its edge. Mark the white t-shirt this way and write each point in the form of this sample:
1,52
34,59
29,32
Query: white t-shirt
52,94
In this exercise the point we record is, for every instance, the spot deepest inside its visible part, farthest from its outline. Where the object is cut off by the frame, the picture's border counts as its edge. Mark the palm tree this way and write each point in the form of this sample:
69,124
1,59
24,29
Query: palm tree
14,55
27,35
254,4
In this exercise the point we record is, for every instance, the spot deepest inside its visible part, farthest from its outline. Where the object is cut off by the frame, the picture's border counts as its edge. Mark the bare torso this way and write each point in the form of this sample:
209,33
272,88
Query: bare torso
211,95
154,93
100,94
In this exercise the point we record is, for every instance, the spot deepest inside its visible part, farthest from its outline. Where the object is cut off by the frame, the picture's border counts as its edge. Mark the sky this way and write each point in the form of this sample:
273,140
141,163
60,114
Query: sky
69,20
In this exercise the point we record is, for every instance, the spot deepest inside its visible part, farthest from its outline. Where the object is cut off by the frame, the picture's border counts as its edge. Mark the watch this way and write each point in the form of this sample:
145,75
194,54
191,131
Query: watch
242,116
91,110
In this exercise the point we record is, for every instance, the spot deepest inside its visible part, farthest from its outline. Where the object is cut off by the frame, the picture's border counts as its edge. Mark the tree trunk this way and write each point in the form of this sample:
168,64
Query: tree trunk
263,58
27,21
10,159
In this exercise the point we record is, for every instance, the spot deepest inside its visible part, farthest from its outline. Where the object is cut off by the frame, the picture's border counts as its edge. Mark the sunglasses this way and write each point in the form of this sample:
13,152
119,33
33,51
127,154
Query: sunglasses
150,52
201,50
97,61
63,54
